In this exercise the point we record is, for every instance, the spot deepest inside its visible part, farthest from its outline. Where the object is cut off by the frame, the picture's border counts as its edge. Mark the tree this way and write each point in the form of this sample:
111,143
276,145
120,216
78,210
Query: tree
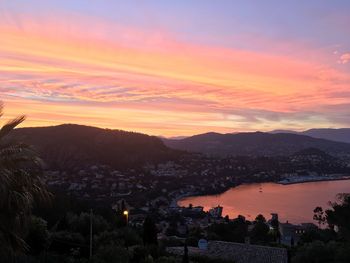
194,235
20,186
123,237
38,235
165,259
275,229
339,216
185,256
260,219
319,215
234,231
149,232
240,231
227,219
315,252
81,223
260,231
111,253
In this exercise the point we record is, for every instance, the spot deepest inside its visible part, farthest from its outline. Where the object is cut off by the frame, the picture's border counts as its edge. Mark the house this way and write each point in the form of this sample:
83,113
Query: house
290,234
216,212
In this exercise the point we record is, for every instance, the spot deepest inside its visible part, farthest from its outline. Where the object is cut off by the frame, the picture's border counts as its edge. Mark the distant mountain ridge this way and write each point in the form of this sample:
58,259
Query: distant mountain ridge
255,143
339,135
70,146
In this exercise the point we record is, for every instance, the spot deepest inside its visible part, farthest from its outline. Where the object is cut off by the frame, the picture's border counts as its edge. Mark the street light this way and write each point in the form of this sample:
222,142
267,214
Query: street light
126,214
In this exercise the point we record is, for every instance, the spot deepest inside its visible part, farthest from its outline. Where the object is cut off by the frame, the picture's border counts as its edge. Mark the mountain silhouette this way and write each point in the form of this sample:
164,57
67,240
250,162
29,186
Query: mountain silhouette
255,143
72,146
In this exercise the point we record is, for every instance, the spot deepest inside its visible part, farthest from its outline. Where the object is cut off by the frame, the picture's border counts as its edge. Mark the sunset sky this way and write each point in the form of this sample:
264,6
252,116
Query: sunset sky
177,67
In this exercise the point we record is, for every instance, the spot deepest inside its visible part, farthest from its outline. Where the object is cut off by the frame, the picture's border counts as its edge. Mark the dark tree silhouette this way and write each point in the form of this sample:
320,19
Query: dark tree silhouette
259,233
276,232
149,232
227,219
319,215
185,257
20,186
339,216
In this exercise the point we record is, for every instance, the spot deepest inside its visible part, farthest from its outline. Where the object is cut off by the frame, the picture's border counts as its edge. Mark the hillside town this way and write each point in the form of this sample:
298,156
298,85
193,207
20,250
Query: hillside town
155,189
194,174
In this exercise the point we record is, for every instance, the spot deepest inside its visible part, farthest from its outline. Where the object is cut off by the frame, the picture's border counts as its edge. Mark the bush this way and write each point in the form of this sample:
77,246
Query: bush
315,252
38,235
110,254
204,259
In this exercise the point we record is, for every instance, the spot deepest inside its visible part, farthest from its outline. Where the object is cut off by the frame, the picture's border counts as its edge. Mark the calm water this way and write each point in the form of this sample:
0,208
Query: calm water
294,202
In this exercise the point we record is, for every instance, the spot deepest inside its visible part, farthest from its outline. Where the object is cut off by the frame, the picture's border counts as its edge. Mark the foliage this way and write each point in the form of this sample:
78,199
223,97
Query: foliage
185,258
20,186
174,242
194,235
38,235
316,251
312,234
64,241
81,223
319,215
234,231
122,237
339,216
328,245
115,254
149,232
260,231
70,146
165,259
146,253
204,259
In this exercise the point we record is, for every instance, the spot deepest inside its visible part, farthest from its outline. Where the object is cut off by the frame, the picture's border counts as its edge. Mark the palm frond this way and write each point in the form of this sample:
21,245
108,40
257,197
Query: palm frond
20,186
10,125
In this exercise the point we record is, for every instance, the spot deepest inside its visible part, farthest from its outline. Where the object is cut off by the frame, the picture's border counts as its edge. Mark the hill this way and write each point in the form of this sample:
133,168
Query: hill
338,135
255,143
74,146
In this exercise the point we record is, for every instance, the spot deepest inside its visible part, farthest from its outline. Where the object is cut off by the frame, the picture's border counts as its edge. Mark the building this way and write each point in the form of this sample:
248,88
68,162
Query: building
216,211
290,234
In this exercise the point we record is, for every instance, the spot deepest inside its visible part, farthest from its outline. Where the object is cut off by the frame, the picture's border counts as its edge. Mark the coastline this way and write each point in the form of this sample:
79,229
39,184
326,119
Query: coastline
306,179
174,202
281,197
296,180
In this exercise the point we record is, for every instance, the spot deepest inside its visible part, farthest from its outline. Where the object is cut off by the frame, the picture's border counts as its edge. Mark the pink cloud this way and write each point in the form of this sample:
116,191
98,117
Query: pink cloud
115,76
345,58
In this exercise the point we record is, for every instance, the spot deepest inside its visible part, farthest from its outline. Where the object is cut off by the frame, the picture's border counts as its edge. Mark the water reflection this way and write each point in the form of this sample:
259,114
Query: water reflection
294,203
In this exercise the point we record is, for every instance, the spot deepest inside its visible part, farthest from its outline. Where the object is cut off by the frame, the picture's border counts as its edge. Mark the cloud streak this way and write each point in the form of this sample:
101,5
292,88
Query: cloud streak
345,58
109,75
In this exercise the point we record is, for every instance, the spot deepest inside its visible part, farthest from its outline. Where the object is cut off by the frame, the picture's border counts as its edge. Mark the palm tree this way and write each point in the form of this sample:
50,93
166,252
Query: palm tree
20,186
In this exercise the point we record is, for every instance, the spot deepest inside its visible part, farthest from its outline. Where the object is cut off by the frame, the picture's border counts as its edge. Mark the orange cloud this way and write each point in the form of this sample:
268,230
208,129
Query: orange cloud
133,79
345,58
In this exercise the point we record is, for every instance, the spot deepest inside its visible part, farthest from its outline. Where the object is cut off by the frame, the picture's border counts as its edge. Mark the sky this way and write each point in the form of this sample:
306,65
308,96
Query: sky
175,68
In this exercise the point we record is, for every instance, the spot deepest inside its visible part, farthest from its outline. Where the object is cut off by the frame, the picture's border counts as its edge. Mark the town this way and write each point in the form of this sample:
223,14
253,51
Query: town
193,174
156,189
